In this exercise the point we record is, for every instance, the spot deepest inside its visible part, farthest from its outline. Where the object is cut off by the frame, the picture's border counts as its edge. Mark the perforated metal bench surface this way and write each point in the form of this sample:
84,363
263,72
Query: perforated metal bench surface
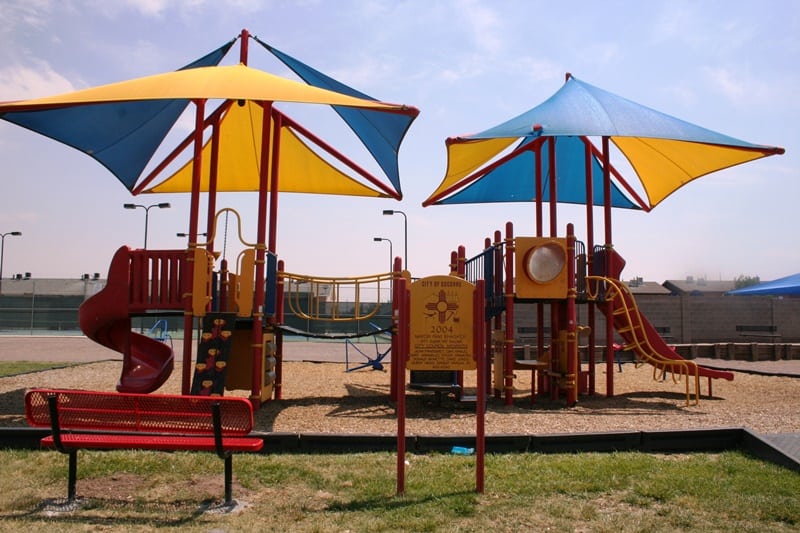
108,421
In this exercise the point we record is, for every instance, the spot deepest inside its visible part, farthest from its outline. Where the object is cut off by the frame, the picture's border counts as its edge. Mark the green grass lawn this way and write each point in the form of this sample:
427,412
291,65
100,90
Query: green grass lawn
11,368
614,492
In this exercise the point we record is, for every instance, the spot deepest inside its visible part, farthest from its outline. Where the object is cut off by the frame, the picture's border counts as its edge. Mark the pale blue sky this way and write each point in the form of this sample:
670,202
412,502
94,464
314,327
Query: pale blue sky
731,66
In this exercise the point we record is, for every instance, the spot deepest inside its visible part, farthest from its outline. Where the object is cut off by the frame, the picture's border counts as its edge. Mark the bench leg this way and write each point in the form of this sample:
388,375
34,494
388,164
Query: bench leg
73,474
228,479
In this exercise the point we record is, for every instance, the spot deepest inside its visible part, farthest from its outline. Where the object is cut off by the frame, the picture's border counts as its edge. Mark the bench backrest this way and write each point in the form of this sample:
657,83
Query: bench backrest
148,413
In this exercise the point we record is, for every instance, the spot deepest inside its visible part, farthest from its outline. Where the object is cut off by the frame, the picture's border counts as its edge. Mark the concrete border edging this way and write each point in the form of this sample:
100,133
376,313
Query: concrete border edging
670,441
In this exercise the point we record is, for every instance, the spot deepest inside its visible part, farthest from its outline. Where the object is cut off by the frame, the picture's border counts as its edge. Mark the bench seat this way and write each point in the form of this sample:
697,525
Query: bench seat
91,420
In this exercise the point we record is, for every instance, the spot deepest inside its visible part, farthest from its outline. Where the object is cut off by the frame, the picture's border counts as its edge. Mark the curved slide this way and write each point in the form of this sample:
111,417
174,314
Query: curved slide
105,318
639,333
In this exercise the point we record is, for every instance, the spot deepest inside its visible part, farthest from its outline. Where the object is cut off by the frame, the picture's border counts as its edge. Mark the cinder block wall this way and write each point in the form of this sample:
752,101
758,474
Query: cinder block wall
693,319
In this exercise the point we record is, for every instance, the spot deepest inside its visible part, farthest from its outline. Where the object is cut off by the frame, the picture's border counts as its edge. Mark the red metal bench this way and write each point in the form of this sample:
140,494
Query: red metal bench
107,421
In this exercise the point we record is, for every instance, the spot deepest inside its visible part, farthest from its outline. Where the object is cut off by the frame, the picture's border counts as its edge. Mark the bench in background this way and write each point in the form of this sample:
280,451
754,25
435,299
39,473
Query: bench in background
770,332
437,381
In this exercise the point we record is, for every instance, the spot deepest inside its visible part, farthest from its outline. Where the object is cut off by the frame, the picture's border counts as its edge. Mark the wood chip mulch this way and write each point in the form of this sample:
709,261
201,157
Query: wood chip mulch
323,398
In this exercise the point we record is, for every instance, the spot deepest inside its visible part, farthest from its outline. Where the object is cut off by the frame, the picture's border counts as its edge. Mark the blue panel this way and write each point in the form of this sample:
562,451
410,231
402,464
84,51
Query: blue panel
515,180
122,136
579,108
380,132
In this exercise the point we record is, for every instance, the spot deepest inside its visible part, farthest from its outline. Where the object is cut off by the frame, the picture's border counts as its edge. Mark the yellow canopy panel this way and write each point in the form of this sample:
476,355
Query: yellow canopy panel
301,169
233,82
665,165
465,157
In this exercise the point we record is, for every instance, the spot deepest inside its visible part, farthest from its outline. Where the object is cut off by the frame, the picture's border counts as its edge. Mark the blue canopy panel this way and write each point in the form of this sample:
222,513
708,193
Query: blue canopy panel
381,133
515,180
138,127
579,108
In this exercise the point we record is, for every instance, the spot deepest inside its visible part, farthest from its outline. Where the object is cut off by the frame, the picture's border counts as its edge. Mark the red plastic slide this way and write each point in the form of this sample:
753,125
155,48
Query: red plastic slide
625,322
628,320
105,318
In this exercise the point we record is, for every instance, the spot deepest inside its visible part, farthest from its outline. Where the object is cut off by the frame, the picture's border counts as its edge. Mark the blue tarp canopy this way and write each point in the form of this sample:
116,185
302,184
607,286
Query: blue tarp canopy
788,286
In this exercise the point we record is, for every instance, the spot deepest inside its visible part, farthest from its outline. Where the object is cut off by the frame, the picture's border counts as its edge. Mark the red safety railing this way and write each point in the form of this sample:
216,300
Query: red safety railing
156,279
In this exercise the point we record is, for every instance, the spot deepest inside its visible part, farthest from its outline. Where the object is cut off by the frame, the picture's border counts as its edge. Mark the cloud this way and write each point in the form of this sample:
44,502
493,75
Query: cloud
485,26
32,81
23,13
737,86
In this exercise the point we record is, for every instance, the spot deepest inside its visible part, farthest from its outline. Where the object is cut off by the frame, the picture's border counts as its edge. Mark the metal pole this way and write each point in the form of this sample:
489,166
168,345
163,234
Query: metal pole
391,254
405,234
33,306
2,252
162,205
146,224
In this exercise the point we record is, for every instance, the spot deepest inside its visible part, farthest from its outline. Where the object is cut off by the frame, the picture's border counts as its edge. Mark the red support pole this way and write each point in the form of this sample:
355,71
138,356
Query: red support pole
491,325
509,304
260,273
607,267
590,260
551,153
607,198
194,215
401,296
479,305
539,182
539,190
273,193
213,175
555,308
573,365
396,330
243,47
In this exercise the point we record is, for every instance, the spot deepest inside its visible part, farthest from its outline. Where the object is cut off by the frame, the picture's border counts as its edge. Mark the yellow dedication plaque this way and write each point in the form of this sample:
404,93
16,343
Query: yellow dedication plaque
441,322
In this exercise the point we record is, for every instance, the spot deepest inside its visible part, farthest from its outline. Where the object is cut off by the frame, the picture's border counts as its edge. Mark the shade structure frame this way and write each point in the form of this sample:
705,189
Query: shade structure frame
372,186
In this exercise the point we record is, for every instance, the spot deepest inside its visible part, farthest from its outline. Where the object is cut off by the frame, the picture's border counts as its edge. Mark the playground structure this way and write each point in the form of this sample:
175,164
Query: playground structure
246,144
555,274
236,307
145,282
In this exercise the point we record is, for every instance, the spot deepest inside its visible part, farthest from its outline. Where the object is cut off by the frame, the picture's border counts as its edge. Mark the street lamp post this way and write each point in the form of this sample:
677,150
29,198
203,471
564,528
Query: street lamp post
2,251
162,205
405,234
391,255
